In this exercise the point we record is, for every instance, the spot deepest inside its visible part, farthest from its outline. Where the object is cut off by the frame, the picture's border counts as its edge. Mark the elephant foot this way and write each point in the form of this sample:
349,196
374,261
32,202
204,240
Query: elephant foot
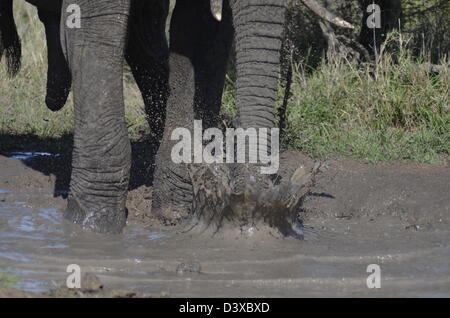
106,220
172,195
219,207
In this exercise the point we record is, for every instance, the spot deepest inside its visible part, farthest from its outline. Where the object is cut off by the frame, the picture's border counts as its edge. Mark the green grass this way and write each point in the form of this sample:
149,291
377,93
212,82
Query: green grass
22,99
338,110
402,113
7,280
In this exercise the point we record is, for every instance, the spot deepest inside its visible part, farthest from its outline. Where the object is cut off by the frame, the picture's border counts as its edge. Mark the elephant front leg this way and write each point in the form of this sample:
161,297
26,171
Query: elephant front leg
172,191
102,152
199,48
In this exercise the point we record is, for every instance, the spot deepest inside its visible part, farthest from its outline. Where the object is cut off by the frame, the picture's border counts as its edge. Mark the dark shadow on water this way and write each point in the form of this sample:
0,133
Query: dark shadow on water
321,195
60,166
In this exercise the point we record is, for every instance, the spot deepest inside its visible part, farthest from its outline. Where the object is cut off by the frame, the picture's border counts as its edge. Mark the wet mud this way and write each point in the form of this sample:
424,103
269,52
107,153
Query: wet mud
394,215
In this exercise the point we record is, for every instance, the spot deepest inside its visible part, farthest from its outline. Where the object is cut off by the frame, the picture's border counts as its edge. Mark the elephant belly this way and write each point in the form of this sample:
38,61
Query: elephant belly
47,5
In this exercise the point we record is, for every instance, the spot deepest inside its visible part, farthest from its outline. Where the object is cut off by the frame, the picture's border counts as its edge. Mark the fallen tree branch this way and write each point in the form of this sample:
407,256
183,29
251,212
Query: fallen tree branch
322,12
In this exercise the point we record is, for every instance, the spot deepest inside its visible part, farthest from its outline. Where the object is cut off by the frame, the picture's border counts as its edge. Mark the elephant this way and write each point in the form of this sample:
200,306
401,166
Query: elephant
58,75
197,58
181,82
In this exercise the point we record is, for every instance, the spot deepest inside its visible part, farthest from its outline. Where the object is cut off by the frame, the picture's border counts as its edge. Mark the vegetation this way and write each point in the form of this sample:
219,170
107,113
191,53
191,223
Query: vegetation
22,106
401,112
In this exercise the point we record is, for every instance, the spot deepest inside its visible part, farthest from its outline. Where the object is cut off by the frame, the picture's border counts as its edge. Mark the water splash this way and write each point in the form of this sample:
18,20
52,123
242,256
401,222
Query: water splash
23,156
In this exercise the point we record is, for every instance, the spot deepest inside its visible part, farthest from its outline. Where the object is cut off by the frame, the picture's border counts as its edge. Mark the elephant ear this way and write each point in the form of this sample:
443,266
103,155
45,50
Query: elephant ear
216,9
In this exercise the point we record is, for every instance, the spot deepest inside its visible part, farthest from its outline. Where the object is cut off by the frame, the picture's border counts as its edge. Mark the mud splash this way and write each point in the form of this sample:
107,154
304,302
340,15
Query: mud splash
218,209
395,216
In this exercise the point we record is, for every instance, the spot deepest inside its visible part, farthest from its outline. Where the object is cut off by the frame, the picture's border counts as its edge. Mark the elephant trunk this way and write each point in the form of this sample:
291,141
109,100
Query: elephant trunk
259,28
58,74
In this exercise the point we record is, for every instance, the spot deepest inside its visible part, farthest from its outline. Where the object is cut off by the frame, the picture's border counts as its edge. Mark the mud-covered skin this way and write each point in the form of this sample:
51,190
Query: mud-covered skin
111,31
102,221
58,75
198,74
199,49
102,152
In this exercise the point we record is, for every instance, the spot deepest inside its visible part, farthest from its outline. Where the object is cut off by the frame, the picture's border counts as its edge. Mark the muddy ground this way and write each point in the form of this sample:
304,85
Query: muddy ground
394,215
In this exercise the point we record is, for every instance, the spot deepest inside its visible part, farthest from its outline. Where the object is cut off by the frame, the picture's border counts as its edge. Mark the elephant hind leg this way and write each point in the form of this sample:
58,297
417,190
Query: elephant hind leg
147,54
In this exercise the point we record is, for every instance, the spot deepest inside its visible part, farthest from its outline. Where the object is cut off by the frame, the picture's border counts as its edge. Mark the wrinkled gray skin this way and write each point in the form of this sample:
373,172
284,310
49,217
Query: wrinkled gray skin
58,75
199,49
102,154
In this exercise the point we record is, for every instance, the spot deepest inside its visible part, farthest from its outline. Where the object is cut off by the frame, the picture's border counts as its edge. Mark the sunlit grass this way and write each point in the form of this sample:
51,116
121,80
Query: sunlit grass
22,99
400,111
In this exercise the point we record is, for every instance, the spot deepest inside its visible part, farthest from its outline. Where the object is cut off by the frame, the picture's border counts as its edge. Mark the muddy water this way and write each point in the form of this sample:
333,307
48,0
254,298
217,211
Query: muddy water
413,250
